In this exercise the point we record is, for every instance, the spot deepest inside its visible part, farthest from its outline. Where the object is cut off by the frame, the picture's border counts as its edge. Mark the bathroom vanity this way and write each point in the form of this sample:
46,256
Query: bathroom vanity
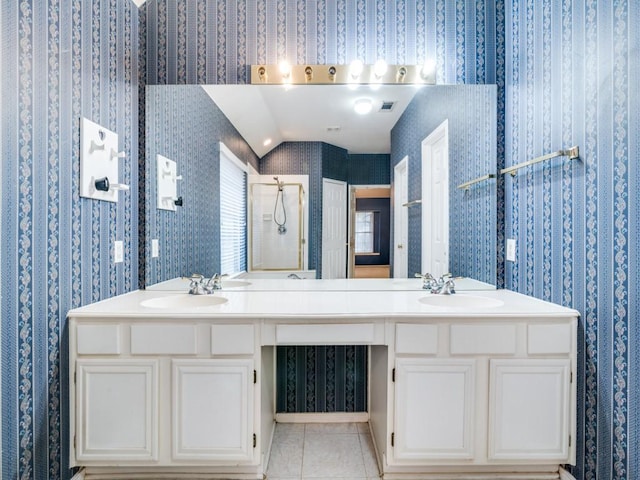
477,385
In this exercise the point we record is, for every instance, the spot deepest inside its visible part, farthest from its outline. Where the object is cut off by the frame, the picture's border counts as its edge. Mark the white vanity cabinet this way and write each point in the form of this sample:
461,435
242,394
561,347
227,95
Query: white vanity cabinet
116,410
164,393
482,394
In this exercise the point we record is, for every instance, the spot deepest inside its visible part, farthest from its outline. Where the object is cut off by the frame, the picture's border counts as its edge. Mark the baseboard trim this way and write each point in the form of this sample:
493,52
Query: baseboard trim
564,475
79,475
332,417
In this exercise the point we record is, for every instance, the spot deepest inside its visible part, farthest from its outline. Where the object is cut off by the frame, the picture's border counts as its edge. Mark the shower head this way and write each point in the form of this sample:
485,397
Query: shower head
279,183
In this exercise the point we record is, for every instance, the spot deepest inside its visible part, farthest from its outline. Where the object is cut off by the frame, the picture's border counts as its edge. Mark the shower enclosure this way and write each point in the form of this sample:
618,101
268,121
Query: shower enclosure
278,228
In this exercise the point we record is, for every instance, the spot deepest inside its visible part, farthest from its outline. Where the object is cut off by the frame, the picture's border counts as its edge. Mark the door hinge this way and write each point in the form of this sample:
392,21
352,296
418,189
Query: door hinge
571,377
255,440
393,438
74,442
255,376
569,440
393,375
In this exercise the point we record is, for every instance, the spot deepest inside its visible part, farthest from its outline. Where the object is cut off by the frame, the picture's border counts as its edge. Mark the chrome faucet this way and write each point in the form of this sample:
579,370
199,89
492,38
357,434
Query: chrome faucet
442,286
216,281
201,286
428,281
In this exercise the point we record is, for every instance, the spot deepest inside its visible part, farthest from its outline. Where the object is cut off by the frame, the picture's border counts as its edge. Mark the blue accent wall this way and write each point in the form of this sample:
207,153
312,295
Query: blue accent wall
369,169
573,78
470,112
185,125
61,60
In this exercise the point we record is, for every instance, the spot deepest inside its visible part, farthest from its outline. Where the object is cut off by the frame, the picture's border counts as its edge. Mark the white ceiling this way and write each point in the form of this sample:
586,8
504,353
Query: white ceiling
304,112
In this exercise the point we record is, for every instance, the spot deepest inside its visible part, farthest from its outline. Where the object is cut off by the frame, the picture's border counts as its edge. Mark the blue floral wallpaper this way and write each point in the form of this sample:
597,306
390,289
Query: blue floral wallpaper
471,114
185,125
572,78
61,60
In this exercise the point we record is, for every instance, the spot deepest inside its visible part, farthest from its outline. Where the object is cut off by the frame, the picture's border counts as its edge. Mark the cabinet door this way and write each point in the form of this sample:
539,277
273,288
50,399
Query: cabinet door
434,409
213,410
529,410
117,410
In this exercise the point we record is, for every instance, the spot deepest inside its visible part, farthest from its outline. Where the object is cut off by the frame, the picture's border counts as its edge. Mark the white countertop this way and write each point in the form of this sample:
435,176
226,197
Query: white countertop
302,305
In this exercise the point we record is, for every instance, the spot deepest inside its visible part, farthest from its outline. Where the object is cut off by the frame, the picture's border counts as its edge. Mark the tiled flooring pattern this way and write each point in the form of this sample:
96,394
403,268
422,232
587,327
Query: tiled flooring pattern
322,451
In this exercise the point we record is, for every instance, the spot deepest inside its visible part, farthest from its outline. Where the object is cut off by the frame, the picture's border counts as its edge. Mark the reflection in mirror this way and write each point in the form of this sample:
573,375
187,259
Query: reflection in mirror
184,124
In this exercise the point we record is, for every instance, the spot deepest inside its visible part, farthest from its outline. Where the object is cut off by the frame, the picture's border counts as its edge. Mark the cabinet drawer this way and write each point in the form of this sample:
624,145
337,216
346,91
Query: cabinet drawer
483,339
98,339
549,339
420,339
328,334
163,339
232,340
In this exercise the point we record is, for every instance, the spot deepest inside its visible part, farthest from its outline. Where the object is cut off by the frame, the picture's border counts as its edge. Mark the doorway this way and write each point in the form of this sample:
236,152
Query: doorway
400,219
435,201
369,231
334,228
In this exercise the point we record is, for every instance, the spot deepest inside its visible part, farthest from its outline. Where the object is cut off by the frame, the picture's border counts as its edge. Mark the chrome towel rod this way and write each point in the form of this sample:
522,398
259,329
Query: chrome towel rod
412,203
465,186
571,153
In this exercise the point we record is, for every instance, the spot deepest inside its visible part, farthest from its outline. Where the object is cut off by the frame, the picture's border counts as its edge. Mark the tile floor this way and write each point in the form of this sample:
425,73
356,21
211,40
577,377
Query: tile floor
322,450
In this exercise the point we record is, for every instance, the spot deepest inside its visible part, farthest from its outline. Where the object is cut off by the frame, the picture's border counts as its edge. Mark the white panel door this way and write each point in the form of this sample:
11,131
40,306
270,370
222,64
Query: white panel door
400,219
334,229
212,410
529,414
435,201
434,409
117,411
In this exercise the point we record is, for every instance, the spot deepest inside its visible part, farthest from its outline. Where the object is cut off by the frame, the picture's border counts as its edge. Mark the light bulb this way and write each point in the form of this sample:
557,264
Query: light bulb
380,68
355,70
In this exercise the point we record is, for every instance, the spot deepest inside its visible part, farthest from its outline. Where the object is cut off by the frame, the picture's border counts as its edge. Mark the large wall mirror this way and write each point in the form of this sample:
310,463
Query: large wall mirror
279,132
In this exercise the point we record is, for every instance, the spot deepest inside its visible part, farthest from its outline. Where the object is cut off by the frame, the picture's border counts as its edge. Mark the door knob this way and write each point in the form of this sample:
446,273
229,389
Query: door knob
400,245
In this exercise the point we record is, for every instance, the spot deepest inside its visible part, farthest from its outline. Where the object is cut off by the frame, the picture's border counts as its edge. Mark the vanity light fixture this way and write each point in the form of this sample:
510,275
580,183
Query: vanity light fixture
363,106
379,69
401,74
285,69
332,73
354,74
308,73
428,71
355,69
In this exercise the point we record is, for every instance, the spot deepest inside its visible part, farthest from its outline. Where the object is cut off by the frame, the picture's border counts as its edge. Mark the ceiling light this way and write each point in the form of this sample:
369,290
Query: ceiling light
380,68
267,142
362,106
355,69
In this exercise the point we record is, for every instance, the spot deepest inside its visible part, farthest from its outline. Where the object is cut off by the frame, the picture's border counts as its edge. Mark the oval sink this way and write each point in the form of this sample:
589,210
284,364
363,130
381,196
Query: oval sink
184,301
461,302
234,283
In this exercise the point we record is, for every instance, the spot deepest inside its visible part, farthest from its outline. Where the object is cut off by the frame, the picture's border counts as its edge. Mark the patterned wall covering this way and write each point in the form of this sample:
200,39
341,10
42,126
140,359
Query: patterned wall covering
61,60
369,169
321,379
573,78
335,163
186,126
471,114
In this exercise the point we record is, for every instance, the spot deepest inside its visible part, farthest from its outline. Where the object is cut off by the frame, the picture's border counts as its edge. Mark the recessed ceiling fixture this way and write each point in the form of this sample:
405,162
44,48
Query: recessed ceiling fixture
335,128
362,106
267,142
